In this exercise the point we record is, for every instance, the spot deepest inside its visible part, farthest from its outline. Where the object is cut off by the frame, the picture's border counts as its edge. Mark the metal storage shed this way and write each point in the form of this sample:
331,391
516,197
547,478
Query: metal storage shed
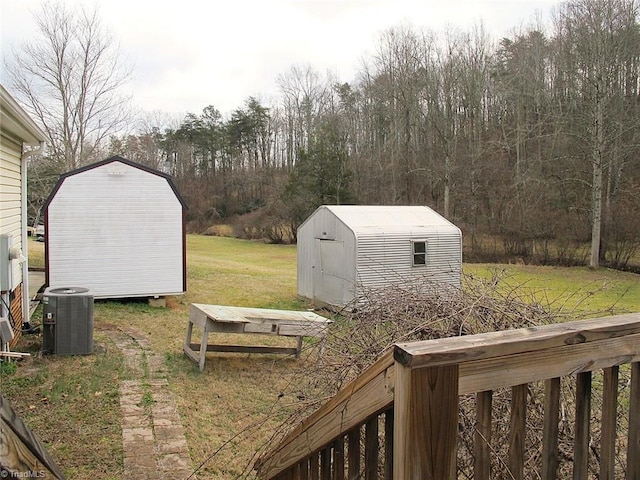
117,228
345,248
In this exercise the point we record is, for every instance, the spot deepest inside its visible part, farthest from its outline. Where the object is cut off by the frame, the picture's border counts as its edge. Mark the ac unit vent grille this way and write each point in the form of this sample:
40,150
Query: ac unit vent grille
68,321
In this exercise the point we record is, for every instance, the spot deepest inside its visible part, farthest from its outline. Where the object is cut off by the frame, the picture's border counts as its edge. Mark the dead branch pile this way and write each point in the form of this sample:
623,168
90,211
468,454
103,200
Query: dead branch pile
373,323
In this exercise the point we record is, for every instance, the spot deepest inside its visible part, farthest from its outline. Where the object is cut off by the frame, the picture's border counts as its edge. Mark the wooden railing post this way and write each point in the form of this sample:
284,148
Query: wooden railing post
609,423
482,437
425,423
633,441
583,420
550,429
517,431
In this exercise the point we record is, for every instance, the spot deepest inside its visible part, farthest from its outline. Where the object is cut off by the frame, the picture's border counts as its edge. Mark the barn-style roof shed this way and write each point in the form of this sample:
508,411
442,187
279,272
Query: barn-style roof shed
118,228
346,249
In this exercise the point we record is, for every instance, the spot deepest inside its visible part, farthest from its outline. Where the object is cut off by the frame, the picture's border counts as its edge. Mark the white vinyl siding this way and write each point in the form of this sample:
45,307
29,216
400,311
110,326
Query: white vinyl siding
117,230
10,198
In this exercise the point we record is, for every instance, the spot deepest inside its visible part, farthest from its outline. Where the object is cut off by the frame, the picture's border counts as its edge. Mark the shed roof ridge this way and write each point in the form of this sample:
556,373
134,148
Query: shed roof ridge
107,161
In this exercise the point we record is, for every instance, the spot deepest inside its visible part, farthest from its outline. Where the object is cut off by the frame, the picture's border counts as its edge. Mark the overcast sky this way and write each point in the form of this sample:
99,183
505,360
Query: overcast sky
188,54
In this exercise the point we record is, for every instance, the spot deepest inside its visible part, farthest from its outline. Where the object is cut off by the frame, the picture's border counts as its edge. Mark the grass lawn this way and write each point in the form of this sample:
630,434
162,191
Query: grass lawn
577,289
72,402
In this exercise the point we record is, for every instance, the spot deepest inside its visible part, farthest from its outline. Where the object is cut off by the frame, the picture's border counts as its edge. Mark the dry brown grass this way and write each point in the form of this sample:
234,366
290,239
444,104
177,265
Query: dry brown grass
232,409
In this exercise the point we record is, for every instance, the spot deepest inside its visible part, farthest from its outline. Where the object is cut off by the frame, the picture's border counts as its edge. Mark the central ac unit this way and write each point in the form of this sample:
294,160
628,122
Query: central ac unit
67,321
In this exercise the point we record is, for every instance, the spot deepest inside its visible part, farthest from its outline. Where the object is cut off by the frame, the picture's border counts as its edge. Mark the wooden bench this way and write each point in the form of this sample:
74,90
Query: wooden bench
224,319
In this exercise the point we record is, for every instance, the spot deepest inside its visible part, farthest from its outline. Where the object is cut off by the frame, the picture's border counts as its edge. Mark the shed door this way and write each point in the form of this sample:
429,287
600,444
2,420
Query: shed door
329,283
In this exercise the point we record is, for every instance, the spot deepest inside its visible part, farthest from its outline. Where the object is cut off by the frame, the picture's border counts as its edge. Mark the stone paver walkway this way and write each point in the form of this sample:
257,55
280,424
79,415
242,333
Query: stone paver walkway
152,435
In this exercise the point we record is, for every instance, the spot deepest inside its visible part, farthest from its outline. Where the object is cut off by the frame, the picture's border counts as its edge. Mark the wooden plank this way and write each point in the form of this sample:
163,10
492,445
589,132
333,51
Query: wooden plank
197,316
203,345
583,417
14,354
232,313
550,429
371,449
482,437
188,335
295,472
367,395
338,459
426,423
248,349
633,440
279,315
21,451
257,320
225,327
318,331
17,315
228,319
314,466
218,313
517,431
325,463
304,469
261,327
501,372
286,475
609,423
353,439
299,349
455,350
388,444
191,354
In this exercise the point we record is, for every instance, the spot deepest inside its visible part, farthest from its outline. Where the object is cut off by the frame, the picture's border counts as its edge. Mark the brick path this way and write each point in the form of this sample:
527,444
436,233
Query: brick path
152,435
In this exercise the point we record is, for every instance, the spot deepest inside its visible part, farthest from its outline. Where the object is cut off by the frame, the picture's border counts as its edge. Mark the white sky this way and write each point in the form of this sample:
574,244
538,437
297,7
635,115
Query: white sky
188,54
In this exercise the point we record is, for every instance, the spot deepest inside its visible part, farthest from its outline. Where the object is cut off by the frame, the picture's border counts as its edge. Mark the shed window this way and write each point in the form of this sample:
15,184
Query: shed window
419,252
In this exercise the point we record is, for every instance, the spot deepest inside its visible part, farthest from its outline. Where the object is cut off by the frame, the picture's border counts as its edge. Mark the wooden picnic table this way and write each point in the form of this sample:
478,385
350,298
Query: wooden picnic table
226,319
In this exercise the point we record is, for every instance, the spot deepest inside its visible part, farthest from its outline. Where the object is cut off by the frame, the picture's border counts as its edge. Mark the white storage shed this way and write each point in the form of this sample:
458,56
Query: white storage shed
344,248
117,228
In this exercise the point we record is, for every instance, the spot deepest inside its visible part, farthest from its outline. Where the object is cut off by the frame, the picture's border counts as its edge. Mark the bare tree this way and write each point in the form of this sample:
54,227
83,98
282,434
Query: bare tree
305,96
599,39
70,79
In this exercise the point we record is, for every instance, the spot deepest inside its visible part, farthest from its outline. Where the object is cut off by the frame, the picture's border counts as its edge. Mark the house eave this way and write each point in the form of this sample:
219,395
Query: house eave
16,123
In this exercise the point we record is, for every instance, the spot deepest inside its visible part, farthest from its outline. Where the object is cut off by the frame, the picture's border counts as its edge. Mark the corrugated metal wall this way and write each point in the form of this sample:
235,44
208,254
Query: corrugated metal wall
117,230
371,258
384,260
324,225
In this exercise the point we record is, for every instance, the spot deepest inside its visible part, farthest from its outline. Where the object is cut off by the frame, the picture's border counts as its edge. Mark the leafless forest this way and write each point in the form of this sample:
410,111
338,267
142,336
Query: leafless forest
530,143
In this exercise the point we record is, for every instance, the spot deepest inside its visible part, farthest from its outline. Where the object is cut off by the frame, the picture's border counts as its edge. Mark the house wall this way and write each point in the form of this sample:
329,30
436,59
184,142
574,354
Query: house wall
117,230
10,197
10,223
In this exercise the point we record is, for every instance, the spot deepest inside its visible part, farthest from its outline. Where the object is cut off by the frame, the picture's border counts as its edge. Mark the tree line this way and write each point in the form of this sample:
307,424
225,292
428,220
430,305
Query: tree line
529,144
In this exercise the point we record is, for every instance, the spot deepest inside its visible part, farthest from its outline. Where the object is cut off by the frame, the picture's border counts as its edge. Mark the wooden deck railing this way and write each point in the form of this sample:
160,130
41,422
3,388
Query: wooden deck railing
400,418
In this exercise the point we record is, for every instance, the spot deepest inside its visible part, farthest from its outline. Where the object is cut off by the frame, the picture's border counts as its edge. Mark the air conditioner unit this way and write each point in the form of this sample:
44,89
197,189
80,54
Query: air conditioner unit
6,263
6,330
67,321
